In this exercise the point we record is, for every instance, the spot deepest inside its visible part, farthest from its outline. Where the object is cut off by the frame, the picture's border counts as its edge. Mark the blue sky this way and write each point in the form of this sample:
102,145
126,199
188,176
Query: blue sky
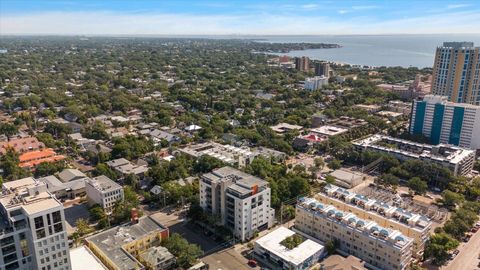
211,17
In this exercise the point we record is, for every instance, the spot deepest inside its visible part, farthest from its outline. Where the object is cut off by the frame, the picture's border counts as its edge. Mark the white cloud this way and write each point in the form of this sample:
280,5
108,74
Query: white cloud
454,6
310,6
259,23
364,7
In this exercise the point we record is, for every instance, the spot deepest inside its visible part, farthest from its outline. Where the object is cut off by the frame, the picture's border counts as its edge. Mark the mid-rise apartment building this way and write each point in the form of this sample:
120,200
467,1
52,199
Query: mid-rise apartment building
103,191
380,247
32,228
457,159
446,122
456,72
232,155
409,224
240,201
315,83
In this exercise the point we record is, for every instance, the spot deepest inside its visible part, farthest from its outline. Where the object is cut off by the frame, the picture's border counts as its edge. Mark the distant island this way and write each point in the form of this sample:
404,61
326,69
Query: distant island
288,47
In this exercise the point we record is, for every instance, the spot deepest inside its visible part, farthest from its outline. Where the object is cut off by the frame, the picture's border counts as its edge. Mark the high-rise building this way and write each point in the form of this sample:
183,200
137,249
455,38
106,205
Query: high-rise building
446,122
32,228
240,201
322,69
379,246
302,63
456,72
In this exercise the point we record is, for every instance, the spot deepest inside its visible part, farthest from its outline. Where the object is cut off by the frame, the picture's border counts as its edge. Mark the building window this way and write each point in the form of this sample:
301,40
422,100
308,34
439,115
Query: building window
57,217
40,233
38,222
58,227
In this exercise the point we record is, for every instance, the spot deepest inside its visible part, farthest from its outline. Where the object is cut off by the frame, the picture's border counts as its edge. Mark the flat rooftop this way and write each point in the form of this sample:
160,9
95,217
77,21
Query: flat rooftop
103,184
82,258
242,183
389,236
297,255
224,152
284,127
111,241
440,152
239,177
393,213
329,130
29,194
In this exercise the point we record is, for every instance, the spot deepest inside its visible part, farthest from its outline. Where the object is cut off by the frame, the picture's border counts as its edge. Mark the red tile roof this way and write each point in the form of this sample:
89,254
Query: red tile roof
21,145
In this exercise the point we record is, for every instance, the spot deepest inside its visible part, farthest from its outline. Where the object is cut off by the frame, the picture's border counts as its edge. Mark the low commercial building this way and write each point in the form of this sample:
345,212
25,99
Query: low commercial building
119,247
68,175
83,257
65,190
399,106
285,127
271,249
458,160
241,201
157,258
371,108
346,178
274,155
125,167
410,224
404,91
380,247
103,191
329,130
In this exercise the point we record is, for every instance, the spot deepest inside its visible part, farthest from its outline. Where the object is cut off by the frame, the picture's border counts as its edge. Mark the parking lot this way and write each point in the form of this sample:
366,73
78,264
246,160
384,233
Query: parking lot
219,255
74,212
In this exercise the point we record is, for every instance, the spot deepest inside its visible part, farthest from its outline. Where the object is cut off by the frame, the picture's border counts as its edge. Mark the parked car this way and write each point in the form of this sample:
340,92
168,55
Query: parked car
252,263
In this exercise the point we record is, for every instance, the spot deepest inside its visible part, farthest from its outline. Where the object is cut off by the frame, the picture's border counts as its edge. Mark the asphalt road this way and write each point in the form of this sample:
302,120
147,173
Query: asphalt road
468,256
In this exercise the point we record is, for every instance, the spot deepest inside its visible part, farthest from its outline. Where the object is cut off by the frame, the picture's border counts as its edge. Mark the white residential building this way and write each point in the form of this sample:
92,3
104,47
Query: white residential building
32,228
315,83
410,224
457,159
103,191
240,201
380,247
235,156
